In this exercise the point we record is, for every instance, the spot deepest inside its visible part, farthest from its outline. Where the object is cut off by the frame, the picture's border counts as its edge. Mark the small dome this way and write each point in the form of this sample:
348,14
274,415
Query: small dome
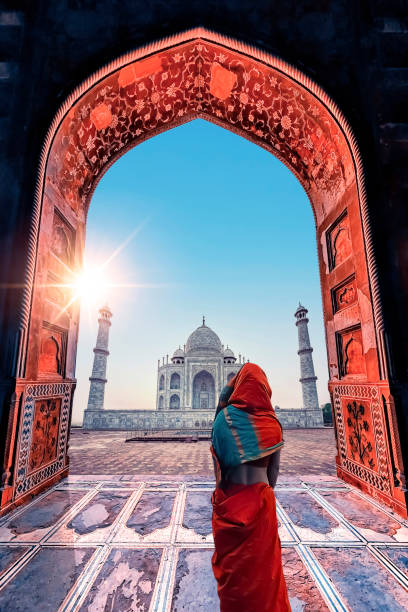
203,339
178,353
229,353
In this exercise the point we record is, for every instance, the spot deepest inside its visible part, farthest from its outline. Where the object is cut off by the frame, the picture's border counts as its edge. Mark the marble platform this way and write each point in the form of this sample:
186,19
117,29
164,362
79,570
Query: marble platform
119,543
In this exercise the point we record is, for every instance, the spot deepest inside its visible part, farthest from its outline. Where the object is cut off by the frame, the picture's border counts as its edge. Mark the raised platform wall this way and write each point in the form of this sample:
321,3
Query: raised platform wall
184,419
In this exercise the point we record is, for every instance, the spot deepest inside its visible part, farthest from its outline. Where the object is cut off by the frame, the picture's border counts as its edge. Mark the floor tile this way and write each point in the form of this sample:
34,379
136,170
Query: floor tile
371,522
399,556
45,581
150,519
93,522
38,518
364,584
195,587
10,555
125,582
311,521
304,595
196,523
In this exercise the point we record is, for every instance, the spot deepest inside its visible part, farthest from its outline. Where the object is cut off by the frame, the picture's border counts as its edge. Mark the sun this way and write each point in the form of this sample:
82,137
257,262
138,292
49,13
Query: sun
91,285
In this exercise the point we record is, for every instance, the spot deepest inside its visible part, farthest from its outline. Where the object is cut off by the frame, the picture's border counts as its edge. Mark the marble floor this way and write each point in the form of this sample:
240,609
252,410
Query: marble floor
119,543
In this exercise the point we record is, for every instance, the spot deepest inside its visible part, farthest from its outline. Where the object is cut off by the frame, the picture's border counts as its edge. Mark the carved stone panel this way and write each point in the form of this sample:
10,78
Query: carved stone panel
339,245
52,351
350,352
63,239
344,294
361,435
359,432
44,441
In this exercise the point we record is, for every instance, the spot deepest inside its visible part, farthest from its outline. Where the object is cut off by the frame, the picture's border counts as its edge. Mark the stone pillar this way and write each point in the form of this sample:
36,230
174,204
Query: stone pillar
314,416
98,378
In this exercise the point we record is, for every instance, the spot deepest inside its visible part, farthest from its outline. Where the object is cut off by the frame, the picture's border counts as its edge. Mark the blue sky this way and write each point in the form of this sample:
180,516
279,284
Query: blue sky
225,230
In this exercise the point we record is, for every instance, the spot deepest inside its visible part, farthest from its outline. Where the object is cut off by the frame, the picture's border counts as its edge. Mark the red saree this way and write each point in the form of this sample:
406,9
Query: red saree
247,562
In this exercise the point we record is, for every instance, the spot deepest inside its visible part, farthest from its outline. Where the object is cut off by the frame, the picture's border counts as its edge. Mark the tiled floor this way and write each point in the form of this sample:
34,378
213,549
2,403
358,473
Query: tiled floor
306,451
118,543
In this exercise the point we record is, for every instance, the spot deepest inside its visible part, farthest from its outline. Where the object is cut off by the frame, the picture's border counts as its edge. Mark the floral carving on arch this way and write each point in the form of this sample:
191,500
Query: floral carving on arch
200,78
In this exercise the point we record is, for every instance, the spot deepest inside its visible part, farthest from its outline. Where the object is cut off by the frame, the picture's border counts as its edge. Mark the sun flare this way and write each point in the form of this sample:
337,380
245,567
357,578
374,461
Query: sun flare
91,285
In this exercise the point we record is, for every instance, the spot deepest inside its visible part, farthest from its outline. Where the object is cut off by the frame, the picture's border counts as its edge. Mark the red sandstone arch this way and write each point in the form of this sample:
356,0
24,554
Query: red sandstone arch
256,95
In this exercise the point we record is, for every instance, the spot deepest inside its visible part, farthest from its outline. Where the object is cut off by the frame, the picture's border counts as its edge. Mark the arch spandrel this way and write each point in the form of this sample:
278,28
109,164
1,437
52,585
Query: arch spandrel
146,97
202,74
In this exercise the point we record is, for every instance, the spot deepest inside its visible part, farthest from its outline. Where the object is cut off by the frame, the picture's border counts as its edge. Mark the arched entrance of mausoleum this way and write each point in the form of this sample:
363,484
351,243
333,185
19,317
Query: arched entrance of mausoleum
203,391
191,75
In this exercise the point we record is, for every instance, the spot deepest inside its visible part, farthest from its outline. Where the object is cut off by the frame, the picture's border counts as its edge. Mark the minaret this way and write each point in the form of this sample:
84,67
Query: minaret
98,380
308,379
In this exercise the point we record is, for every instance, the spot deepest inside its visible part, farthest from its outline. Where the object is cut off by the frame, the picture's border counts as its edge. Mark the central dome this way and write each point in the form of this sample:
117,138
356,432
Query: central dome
203,339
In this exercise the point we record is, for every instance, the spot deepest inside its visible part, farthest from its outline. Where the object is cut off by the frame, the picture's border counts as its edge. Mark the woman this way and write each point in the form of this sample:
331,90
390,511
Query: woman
246,442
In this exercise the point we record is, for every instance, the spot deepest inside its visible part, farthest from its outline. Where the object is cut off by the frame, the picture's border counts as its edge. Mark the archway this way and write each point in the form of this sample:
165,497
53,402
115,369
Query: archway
175,381
174,402
202,74
203,391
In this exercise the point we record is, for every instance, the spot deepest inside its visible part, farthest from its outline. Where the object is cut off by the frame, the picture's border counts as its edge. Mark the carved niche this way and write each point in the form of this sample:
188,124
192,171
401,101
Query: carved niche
63,237
350,352
344,294
44,444
52,351
339,246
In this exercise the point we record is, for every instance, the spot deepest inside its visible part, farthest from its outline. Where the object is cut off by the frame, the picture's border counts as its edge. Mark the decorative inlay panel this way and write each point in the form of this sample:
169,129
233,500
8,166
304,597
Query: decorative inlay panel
29,472
344,294
339,245
52,350
63,239
350,352
361,434
359,429
45,432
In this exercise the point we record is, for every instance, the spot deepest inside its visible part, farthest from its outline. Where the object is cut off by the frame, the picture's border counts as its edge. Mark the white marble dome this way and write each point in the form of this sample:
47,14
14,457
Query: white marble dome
178,353
229,353
203,339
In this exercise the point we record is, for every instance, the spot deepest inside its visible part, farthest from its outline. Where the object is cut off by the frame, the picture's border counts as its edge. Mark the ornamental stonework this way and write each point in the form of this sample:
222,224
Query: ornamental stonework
198,79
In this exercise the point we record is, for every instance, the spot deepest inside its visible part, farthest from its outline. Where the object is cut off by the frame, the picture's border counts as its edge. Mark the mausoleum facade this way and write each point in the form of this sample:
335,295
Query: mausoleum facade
195,375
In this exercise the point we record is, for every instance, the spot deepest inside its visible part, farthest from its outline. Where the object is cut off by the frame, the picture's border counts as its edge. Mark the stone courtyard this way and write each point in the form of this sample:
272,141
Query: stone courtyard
135,533
306,451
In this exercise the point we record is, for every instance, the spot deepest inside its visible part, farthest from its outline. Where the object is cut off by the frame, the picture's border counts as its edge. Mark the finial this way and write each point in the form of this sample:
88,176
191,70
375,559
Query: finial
203,320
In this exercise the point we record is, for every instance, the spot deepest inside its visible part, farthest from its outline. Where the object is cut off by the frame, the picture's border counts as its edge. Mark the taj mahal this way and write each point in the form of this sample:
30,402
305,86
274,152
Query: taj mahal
197,373
188,384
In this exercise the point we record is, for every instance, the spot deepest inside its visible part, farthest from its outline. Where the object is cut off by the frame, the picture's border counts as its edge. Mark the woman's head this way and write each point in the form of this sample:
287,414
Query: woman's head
251,389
